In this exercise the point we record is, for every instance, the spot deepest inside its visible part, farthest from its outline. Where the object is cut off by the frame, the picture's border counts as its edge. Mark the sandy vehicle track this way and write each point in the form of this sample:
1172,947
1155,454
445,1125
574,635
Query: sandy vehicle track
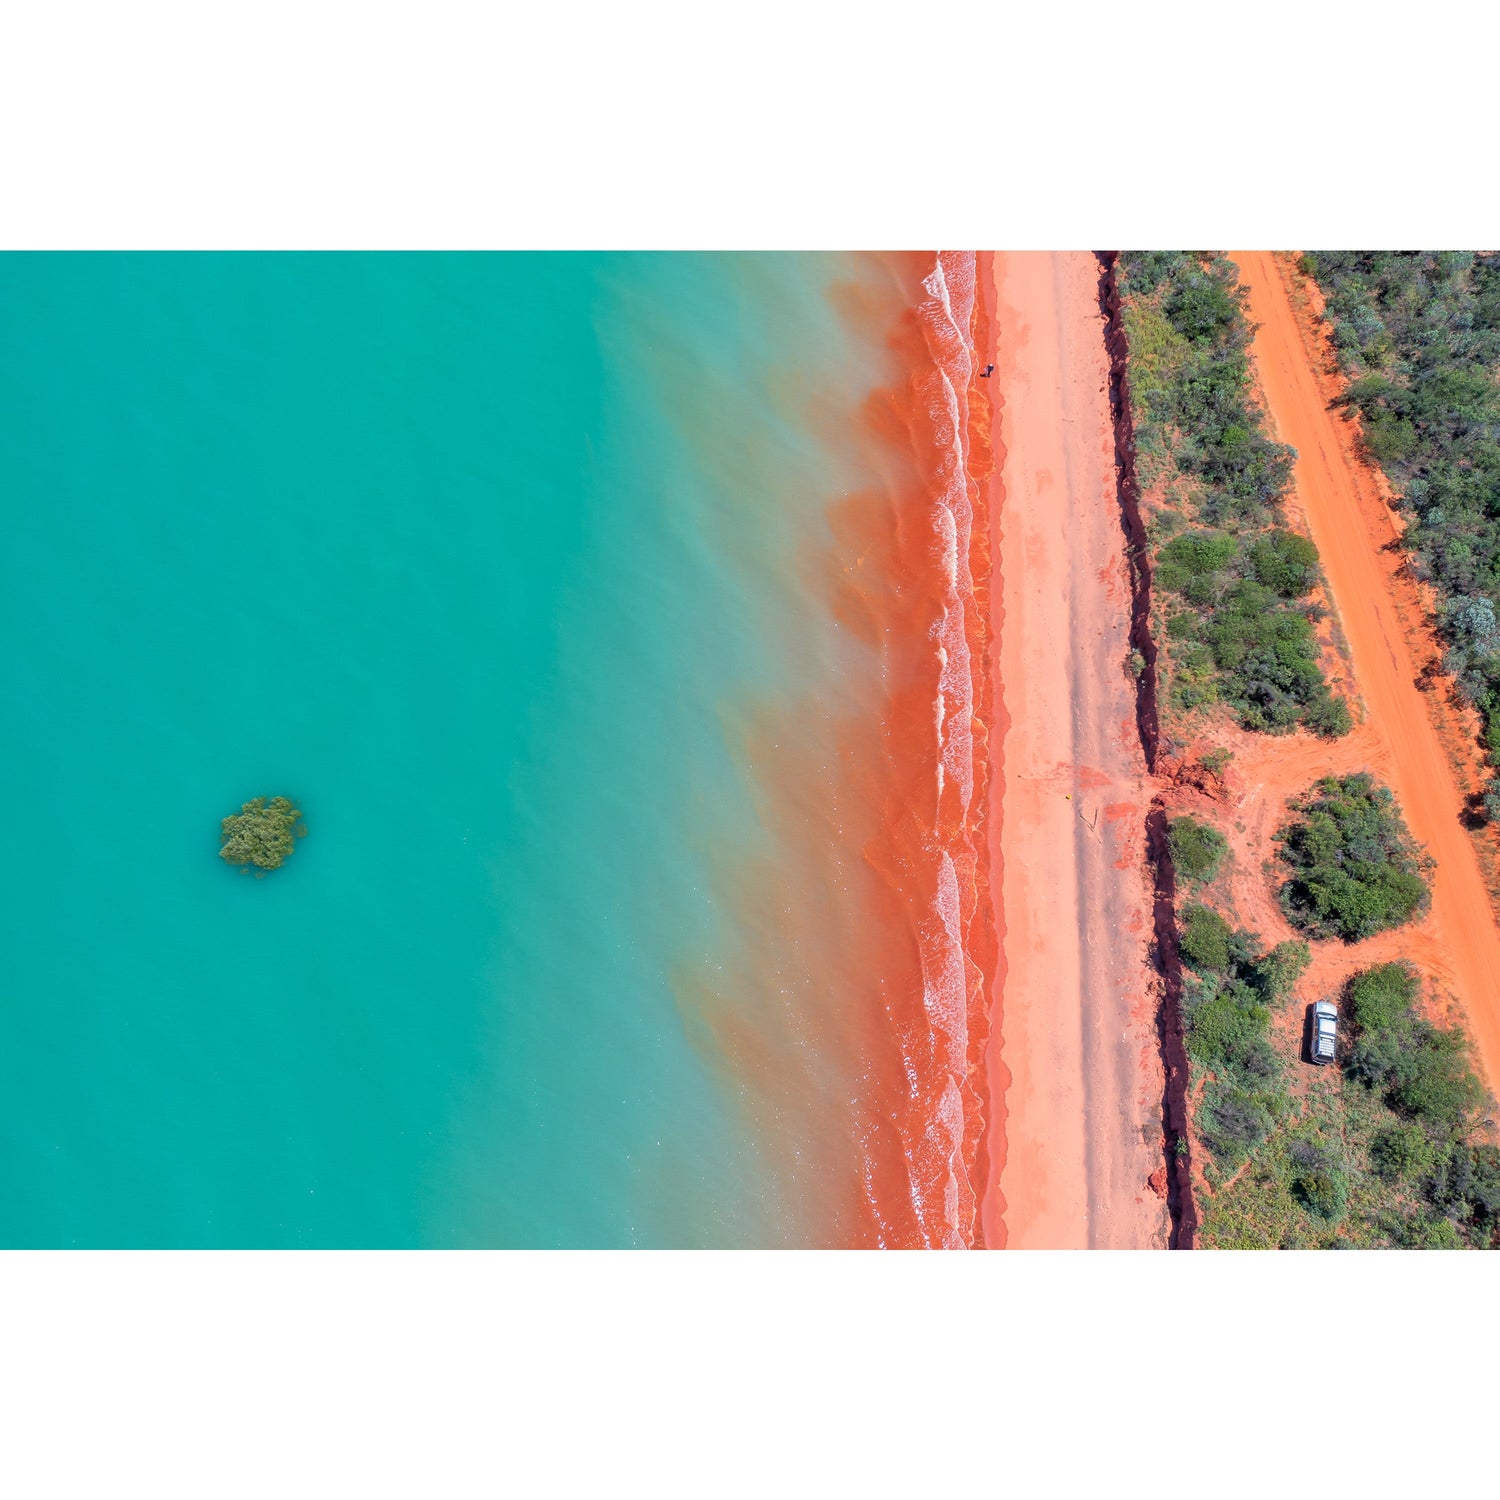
1074,1060
1354,528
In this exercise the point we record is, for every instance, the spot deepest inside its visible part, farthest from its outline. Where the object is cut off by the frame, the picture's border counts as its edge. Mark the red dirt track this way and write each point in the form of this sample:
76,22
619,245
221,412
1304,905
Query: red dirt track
1354,528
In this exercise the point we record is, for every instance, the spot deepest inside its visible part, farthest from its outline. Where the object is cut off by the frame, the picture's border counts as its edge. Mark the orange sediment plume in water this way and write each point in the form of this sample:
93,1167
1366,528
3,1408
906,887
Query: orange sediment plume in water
928,848
925,550
872,896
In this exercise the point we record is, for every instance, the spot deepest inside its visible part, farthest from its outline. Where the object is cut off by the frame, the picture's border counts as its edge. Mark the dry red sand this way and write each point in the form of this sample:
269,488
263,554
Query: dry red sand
1074,1080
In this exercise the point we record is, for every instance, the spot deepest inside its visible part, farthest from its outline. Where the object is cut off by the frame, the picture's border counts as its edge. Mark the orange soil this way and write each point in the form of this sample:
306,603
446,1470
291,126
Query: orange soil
1074,1076
1346,514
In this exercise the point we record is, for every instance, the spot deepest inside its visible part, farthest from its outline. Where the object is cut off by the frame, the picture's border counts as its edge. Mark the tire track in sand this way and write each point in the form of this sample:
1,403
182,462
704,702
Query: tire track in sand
1075,1052
1353,528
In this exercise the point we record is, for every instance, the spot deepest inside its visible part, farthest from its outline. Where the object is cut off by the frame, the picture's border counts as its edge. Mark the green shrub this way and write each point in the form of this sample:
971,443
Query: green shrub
1234,1120
1424,1070
1389,439
1382,1058
1157,350
1355,869
1194,555
1205,940
1328,716
1437,1085
1276,973
1225,1025
1380,997
1418,334
1400,1152
261,834
1465,1184
1323,1190
1228,1019
1428,1232
1243,575
1285,562
1216,760
1203,305
1197,848
1265,650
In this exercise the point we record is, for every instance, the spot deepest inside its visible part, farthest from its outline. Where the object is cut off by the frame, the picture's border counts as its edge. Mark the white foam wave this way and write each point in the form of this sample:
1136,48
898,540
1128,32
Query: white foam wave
933,1143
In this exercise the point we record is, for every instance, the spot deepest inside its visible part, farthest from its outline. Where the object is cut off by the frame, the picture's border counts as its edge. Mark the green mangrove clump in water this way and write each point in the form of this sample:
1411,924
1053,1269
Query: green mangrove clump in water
262,834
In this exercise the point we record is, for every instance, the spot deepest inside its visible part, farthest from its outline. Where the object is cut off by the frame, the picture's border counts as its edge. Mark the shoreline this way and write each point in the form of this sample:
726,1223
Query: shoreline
912,560
875,793
965,740
991,1086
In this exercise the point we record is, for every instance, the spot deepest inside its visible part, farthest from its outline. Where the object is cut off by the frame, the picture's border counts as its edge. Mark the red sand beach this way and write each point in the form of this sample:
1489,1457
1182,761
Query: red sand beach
1073,1078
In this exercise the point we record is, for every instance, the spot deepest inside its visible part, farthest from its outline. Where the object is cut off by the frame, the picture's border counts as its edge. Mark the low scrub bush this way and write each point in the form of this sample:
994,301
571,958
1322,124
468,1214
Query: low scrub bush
1285,562
1355,870
1465,1185
1401,1152
1245,635
1320,1182
1233,1120
1433,1139
1427,1232
1228,1010
1206,940
1197,848
1281,968
1398,1151
1418,334
1380,997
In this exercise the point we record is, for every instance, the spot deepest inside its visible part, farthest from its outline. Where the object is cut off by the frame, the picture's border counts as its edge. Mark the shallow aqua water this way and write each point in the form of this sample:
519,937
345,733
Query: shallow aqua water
471,556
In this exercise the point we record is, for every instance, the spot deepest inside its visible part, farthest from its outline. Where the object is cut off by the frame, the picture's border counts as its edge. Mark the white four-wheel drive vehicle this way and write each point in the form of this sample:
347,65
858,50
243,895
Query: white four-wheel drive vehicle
1325,1026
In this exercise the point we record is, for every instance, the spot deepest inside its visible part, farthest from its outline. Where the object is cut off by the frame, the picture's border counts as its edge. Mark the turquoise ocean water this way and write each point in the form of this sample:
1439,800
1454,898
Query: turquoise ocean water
477,558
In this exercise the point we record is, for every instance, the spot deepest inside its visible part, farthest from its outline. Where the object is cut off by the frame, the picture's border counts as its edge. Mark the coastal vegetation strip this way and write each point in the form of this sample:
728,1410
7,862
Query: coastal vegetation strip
1392,1148
1394,1145
1240,1083
1417,336
1234,585
1176,1181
